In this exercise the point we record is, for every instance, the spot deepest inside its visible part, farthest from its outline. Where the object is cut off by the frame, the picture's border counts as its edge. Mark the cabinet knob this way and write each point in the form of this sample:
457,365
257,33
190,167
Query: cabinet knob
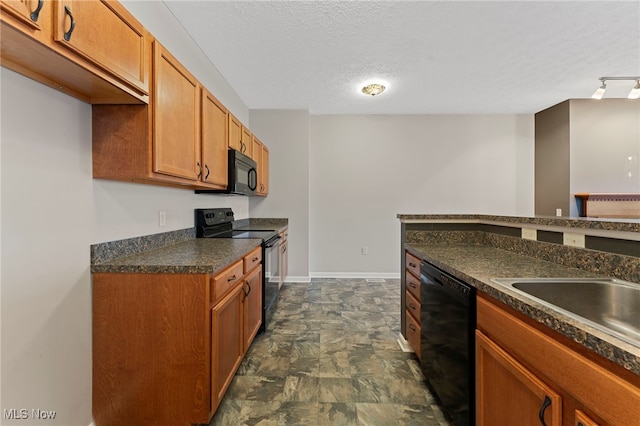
36,13
67,35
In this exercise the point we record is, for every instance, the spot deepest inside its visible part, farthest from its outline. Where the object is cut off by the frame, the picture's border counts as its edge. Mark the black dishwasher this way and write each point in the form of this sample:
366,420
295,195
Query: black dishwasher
448,322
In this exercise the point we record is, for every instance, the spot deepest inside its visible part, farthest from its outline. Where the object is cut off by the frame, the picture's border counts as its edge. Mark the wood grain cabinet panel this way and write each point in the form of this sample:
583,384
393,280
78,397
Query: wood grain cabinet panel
246,142
509,394
29,13
252,305
262,160
412,264
235,133
176,118
583,420
102,32
93,50
214,140
582,380
252,260
227,342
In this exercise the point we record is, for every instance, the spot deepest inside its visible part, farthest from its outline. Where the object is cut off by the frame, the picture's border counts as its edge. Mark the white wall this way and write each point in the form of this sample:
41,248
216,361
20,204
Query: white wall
366,169
286,133
52,211
605,147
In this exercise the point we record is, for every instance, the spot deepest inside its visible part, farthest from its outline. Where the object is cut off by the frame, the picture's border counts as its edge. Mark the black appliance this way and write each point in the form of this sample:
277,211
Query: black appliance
242,176
448,322
219,223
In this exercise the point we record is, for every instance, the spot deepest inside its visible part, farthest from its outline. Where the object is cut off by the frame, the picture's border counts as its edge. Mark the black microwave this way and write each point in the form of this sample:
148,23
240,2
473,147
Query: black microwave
243,176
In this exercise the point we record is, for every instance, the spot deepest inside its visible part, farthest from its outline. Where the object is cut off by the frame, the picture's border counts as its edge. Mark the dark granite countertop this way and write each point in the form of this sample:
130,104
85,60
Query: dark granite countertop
262,224
477,264
586,223
194,256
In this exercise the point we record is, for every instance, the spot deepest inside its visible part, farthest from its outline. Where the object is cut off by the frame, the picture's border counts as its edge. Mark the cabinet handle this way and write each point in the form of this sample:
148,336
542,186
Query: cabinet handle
580,424
545,404
36,13
206,166
413,265
231,278
412,306
248,285
199,170
414,329
67,35
412,285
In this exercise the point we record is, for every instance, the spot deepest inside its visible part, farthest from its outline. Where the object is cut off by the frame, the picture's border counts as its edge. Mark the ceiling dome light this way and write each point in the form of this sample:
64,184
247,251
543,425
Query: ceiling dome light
373,89
635,92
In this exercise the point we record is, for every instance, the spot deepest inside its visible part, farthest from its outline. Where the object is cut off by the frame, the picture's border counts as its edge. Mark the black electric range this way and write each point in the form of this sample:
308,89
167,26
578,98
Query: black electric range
220,223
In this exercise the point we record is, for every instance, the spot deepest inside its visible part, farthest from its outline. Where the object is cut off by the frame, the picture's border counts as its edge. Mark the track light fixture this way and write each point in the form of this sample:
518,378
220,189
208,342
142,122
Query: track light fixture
634,94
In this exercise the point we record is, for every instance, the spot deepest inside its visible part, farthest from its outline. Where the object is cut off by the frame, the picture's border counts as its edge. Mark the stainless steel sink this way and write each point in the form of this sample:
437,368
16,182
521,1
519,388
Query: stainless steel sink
608,304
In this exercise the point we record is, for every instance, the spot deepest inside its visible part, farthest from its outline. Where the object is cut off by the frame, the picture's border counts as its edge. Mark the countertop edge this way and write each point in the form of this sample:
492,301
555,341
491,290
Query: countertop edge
609,347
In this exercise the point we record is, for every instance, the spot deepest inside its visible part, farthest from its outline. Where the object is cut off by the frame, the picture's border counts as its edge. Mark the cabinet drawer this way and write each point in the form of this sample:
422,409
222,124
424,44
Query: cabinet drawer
224,281
413,286
253,259
412,264
413,306
413,333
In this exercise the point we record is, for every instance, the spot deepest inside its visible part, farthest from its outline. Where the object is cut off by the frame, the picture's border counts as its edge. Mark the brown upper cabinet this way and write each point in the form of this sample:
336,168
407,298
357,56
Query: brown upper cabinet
261,157
177,140
214,140
176,118
247,142
235,133
93,50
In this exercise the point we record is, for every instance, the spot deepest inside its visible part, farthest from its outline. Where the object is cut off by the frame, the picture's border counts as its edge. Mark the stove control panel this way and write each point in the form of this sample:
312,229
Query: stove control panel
208,217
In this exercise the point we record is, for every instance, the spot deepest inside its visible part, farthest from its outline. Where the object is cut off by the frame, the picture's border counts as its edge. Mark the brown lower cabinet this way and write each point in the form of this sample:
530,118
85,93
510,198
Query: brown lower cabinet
412,298
528,375
166,346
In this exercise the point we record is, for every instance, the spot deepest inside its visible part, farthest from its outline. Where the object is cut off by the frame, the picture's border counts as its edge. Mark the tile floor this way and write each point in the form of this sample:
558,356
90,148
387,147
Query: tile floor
330,357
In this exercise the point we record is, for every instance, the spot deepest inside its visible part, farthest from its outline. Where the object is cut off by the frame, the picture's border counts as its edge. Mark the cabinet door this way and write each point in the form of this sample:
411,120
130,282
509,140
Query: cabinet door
235,133
256,151
583,420
227,342
27,12
509,394
247,142
176,118
252,306
263,187
105,34
214,140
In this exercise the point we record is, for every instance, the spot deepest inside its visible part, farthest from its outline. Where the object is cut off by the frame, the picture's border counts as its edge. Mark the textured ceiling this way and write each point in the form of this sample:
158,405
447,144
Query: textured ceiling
437,57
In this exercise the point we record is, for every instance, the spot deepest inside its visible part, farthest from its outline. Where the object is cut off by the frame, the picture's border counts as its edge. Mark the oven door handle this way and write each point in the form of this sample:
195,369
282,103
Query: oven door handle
272,242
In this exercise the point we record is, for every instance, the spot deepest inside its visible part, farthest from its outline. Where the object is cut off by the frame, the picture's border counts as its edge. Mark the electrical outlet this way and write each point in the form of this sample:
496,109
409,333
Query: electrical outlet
573,240
162,218
529,234
365,250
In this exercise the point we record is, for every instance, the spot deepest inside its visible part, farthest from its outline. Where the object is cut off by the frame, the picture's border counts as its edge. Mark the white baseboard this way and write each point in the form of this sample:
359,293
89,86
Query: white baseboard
297,279
389,275
404,344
